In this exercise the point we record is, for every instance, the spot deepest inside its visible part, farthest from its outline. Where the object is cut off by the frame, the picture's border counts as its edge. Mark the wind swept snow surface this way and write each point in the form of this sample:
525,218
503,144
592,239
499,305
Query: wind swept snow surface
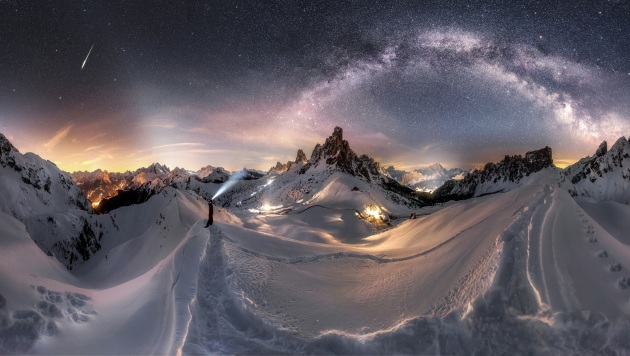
531,270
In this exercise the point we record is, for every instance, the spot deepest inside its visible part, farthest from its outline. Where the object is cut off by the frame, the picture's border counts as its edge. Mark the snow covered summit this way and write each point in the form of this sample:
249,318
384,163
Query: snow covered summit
336,152
605,176
48,202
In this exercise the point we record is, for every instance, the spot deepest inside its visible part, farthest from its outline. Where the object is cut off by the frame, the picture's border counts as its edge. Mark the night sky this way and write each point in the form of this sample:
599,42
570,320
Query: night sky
247,83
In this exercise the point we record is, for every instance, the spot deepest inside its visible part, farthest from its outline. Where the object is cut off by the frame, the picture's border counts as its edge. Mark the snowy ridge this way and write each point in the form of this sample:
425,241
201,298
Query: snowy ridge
334,176
604,176
47,201
507,312
496,177
143,182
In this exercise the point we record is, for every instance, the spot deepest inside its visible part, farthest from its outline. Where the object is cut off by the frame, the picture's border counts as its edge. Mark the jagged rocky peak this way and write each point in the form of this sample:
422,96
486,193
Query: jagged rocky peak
7,152
604,163
283,167
5,145
602,149
336,153
301,157
279,168
157,168
335,150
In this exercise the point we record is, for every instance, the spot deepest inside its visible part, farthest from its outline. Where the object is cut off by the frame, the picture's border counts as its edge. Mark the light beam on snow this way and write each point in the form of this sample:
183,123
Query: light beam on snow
86,57
372,212
233,179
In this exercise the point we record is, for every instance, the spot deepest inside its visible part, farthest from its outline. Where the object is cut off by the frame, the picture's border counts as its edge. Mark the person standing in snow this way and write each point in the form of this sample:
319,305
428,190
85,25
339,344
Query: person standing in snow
210,213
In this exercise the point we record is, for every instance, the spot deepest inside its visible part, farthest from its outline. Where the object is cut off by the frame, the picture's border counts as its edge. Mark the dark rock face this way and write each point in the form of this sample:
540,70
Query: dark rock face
84,245
602,149
510,169
537,160
7,158
301,157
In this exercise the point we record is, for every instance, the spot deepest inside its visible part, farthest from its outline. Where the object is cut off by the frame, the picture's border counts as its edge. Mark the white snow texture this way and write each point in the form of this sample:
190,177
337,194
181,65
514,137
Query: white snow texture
290,266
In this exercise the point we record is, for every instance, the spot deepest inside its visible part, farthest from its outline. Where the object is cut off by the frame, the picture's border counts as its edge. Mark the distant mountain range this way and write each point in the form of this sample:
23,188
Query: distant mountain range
585,176
50,203
426,179
107,191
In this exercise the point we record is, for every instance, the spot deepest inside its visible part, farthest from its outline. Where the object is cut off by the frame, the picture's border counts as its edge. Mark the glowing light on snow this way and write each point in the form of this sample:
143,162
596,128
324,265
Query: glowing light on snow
95,204
372,212
266,207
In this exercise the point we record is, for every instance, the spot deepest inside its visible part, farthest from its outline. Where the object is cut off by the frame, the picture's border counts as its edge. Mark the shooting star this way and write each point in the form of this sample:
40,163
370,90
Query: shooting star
86,57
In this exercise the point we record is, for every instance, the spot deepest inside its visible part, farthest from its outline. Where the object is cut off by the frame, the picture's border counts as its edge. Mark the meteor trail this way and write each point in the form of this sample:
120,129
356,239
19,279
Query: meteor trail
86,57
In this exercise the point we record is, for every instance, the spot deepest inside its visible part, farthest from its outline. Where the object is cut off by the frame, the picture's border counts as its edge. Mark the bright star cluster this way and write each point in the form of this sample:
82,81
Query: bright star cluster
117,85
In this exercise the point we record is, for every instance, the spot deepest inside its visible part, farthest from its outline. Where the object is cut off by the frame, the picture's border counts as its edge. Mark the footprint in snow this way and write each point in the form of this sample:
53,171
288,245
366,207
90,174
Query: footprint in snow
602,254
592,239
614,267
623,282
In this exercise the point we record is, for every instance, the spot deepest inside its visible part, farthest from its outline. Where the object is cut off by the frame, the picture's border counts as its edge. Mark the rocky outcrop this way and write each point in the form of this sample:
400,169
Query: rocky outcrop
301,157
283,167
7,154
215,175
335,153
604,176
496,177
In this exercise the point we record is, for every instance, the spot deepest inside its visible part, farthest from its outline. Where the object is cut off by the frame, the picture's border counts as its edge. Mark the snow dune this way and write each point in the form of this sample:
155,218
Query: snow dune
527,271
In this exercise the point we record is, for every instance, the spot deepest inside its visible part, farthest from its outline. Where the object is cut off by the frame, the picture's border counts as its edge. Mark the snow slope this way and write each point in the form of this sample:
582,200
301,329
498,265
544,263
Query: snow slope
47,201
518,272
490,283
292,267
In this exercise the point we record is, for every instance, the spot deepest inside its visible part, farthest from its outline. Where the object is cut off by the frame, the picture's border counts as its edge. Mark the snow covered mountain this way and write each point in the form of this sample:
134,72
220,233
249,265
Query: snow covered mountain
101,184
605,176
429,178
213,174
108,191
336,154
46,200
496,177
296,269
334,176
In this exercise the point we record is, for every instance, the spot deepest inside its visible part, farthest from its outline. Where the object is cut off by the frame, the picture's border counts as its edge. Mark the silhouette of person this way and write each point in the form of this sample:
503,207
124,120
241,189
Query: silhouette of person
210,213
